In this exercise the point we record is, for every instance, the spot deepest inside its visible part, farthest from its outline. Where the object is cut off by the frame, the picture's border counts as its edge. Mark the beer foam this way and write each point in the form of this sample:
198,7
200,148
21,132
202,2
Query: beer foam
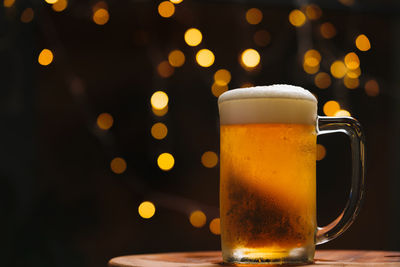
280,103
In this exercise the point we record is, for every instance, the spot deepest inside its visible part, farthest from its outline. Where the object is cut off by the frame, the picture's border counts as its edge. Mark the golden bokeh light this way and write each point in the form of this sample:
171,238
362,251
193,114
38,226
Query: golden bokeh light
27,15
331,107
209,159
176,1
98,5
354,73
310,69
322,80
222,77
313,12
159,100
193,37
197,218
362,43
347,2
60,5
218,90
105,121
262,38
371,88
164,69
166,9
8,3
45,57
205,58
215,226
321,152
352,61
165,161
250,58
160,112
118,165
297,18
312,58
338,69
351,83
159,130
176,58
146,210
51,1
101,16
246,85
254,16
342,113
327,30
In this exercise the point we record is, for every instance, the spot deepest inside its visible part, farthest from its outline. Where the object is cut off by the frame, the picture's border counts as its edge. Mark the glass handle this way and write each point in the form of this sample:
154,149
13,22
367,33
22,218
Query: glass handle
352,128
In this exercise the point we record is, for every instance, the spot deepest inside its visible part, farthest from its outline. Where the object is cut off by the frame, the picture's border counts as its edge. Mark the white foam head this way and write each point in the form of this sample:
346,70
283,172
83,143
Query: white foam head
279,103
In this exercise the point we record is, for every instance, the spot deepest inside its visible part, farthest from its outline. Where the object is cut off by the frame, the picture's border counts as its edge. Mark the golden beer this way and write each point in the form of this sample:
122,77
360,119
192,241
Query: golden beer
267,177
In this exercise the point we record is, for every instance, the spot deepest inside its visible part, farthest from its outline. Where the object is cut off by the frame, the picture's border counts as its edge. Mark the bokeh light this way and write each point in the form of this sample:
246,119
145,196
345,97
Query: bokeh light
322,80
164,69
347,2
176,58
246,85
146,210
351,83
101,16
310,69
45,57
215,226
60,5
312,58
313,12
51,1
222,77
193,37
250,58
254,16
331,107
205,58
338,69
160,112
159,100
165,161
159,130
105,121
327,30
176,1
197,218
362,43
118,165
352,61
262,38
209,159
354,73
27,15
166,9
8,3
371,88
321,152
218,90
342,113
297,18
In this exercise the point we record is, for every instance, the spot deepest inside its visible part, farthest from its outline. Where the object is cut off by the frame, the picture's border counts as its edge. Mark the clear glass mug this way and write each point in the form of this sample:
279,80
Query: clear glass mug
268,175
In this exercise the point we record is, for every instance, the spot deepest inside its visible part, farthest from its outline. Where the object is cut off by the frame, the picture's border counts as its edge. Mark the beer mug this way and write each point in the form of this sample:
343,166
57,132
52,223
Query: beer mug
268,175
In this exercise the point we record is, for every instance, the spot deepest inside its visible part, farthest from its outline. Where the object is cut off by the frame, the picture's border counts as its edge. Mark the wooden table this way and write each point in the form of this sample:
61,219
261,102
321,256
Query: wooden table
326,258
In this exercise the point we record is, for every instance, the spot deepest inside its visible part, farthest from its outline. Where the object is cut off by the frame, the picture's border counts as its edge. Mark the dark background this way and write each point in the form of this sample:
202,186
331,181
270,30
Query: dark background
60,203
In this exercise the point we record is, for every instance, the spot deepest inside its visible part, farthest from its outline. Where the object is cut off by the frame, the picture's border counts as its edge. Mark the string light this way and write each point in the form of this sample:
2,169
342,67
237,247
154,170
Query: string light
313,12
101,16
193,37
176,58
166,9
160,112
45,57
105,121
352,61
331,107
164,69
351,83
321,152
250,58
118,165
159,130
197,218
215,226
338,69
371,88
205,58
342,113
222,77
362,43
262,38
60,5
159,100
209,159
8,3
165,161
327,30
322,80
146,210
297,18
27,15
254,16
51,1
